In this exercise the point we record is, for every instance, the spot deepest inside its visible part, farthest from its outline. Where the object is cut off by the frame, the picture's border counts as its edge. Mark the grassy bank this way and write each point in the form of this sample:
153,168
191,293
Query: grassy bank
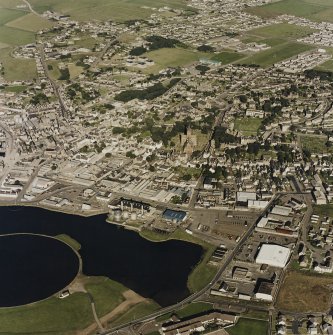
51,315
107,293
70,241
137,311
63,316
203,273
189,310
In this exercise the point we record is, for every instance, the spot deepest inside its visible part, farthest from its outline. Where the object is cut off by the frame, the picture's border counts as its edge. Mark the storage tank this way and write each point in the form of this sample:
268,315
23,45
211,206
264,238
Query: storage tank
133,216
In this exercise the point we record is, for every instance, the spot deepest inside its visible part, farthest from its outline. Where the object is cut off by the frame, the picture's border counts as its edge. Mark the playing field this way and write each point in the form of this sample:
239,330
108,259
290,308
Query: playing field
247,125
226,57
117,10
282,30
276,54
173,57
303,292
319,10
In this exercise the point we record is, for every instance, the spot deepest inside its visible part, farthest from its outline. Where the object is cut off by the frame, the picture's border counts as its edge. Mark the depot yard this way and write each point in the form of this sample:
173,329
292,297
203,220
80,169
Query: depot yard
276,54
301,292
221,224
317,10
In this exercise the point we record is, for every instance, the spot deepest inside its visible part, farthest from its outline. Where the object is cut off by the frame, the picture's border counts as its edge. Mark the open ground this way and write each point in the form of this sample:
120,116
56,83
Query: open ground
302,292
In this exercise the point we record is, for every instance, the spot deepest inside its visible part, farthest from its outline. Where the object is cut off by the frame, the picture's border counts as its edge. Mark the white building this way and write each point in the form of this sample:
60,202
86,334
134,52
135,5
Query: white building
273,255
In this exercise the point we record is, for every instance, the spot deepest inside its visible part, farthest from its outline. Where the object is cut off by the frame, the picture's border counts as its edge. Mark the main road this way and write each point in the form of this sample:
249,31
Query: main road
195,295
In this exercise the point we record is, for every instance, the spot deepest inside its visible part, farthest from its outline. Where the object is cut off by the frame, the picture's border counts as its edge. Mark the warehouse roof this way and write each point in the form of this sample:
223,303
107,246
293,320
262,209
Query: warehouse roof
273,255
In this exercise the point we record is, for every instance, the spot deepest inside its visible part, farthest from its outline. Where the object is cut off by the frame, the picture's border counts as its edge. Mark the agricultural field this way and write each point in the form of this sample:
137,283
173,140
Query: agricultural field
226,57
17,69
172,57
30,22
117,10
317,10
276,54
246,326
282,30
13,37
303,292
7,15
11,4
247,125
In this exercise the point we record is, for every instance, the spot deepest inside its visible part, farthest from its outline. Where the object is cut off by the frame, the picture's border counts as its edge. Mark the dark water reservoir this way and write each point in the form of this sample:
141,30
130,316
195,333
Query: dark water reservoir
155,270
34,267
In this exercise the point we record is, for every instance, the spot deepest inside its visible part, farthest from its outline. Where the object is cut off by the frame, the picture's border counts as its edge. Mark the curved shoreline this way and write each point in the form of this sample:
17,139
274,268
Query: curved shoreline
193,285
79,270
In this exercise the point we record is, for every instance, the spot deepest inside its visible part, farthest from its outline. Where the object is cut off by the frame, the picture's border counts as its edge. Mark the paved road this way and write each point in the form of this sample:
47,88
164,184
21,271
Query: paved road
64,112
194,296
30,8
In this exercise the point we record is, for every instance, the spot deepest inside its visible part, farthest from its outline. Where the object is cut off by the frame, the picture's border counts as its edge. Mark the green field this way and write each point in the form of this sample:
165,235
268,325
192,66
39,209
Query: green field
247,125
70,314
282,30
203,273
323,210
17,69
246,326
11,4
106,292
319,10
172,57
51,315
30,22
327,66
139,310
276,54
74,70
315,143
7,15
12,36
117,10
15,89
191,309
226,57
